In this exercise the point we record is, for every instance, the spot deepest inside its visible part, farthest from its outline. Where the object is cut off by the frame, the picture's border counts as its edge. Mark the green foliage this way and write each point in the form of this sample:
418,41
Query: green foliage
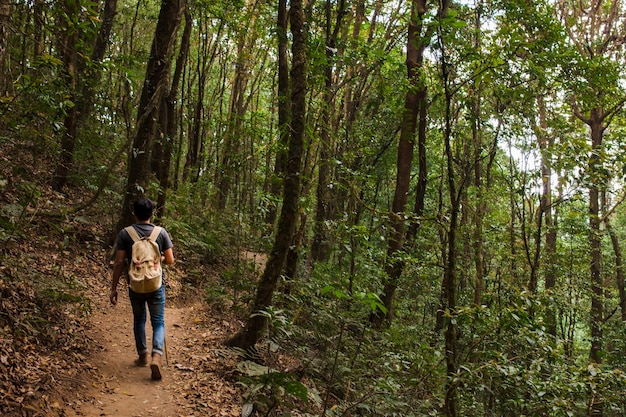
269,389
368,299
202,241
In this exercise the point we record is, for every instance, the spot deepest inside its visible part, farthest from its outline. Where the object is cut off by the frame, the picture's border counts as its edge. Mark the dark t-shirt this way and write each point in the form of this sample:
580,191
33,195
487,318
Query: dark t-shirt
125,242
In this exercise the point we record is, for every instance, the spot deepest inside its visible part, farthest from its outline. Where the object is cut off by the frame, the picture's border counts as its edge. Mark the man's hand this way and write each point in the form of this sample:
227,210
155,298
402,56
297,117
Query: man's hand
113,297
118,268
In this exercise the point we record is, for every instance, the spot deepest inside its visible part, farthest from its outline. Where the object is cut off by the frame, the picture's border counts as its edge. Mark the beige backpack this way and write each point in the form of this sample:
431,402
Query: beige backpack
145,272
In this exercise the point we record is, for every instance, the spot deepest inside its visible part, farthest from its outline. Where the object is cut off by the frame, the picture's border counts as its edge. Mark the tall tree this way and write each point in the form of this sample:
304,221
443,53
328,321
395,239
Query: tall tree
80,76
206,52
418,38
231,150
68,46
93,70
320,247
546,209
257,321
283,109
5,22
168,118
596,29
154,87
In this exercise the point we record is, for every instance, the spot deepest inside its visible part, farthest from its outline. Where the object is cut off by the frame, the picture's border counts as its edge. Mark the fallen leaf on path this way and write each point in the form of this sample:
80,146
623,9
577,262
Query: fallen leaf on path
183,367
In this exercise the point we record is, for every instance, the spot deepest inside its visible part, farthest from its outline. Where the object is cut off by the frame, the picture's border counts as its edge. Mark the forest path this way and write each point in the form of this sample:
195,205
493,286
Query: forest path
197,379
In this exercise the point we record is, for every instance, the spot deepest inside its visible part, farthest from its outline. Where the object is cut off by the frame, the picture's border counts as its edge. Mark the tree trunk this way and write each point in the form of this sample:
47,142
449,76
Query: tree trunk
80,80
414,58
481,174
226,174
38,28
93,73
545,207
5,22
283,111
206,55
256,323
321,245
449,273
191,169
170,125
619,262
595,238
156,82
69,54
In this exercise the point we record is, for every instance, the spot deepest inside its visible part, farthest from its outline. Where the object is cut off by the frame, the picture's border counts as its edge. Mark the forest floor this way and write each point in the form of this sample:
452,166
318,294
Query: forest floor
56,360
64,350
198,375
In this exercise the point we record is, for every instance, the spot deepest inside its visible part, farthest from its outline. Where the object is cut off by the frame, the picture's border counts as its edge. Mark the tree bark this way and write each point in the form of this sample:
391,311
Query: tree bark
5,22
256,323
284,105
595,238
37,28
69,55
170,124
155,84
415,46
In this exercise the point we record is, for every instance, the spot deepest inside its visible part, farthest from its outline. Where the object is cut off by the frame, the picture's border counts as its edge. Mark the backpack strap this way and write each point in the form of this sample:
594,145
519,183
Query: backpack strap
133,233
155,233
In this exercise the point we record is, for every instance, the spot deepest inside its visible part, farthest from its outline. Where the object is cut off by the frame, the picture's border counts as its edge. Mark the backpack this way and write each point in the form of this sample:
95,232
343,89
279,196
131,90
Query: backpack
145,272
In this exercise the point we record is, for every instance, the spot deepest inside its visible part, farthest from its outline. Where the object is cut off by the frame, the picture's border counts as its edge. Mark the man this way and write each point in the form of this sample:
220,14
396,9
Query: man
143,209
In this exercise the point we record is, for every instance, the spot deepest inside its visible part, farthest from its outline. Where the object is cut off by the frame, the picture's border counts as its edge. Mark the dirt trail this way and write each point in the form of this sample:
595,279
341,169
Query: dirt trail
196,380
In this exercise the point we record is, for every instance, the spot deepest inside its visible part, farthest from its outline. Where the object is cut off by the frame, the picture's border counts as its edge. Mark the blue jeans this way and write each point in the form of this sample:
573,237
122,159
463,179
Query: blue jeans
156,305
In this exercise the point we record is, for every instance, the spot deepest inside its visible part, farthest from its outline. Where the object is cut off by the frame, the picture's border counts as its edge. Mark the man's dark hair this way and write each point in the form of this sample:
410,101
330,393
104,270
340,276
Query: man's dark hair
143,208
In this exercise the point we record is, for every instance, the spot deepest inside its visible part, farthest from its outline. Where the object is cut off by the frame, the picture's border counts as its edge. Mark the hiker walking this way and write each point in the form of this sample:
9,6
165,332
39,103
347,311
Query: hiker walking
140,249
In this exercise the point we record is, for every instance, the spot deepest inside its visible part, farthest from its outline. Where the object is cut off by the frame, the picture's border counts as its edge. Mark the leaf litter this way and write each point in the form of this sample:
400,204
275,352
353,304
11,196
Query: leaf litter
65,352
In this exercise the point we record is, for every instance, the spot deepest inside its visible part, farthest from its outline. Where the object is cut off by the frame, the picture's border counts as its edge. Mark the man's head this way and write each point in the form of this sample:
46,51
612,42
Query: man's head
143,208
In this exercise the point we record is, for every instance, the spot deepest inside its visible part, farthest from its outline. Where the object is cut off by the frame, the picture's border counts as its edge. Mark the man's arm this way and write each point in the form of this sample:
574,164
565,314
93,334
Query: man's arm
118,269
168,256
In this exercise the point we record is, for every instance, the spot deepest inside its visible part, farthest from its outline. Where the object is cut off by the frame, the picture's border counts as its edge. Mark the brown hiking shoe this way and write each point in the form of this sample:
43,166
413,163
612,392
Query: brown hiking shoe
155,367
142,360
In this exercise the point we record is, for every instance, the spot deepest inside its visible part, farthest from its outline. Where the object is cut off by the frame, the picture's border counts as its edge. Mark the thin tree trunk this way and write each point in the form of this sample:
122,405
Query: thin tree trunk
5,22
449,278
93,73
414,57
38,24
321,245
69,54
251,333
479,182
619,261
595,240
226,175
545,207
283,111
192,160
80,87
